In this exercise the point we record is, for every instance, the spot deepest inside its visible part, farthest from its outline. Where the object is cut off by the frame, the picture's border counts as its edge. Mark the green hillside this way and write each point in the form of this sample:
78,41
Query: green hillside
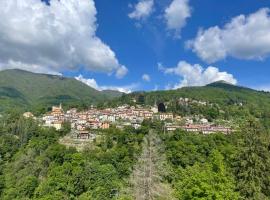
223,101
218,92
38,91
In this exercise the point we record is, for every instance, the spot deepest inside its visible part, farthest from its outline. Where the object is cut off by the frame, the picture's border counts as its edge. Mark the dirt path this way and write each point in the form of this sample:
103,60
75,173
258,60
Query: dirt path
147,178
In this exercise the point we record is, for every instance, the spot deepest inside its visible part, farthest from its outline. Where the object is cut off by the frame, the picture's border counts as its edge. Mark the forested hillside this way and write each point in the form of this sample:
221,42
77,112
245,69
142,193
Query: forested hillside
133,164
218,92
35,166
222,100
37,92
148,162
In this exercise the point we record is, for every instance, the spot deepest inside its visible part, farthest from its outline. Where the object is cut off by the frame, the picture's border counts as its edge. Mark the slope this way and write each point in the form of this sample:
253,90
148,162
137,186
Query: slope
26,89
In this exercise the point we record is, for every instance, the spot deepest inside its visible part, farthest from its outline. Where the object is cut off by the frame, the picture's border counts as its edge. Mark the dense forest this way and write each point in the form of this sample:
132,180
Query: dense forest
219,166
133,164
35,166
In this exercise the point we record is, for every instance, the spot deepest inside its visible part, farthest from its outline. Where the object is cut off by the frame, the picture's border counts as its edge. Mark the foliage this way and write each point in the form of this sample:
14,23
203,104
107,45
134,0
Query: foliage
38,92
223,101
33,165
221,166
206,181
251,163
38,167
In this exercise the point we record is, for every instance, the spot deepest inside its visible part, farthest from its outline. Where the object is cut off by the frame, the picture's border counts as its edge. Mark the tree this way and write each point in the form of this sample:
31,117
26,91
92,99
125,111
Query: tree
206,181
251,163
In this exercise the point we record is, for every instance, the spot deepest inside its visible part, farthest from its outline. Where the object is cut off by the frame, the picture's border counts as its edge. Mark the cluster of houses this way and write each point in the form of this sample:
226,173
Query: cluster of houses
84,121
198,124
187,101
201,128
102,119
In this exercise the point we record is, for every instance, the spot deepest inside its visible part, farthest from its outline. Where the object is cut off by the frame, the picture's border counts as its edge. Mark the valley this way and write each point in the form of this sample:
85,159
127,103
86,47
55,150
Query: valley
197,142
134,100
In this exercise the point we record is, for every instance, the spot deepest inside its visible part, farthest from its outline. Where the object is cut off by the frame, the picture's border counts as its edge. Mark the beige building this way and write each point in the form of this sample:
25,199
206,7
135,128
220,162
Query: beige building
28,115
57,125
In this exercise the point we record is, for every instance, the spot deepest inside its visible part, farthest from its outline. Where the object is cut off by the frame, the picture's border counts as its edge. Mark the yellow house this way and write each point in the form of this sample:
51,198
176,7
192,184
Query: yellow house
57,125
28,115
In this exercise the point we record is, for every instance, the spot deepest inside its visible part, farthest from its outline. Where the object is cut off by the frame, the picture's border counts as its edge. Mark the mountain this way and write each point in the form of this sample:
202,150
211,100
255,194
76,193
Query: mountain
112,93
227,97
227,86
31,90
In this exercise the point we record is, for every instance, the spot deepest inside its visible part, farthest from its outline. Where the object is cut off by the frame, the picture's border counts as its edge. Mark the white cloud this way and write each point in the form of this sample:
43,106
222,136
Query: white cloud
146,77
176,15
28,67
142,9
196,75
121,71
244,37
53,38
92,83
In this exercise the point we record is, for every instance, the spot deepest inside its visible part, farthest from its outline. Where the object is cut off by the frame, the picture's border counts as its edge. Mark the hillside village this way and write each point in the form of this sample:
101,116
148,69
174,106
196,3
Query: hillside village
83,122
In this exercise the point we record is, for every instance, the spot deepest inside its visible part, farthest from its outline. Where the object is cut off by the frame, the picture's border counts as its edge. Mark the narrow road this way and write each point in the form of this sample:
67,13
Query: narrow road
147,178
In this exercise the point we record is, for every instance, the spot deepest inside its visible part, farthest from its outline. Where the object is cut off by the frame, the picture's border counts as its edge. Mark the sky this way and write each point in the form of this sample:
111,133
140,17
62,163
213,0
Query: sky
131,45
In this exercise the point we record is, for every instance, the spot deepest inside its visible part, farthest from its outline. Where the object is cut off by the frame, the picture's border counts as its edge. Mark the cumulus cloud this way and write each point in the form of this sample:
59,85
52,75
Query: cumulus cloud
28,67
142,9
121,71
244,37
196,75
92,83
52,38
146,77
176,15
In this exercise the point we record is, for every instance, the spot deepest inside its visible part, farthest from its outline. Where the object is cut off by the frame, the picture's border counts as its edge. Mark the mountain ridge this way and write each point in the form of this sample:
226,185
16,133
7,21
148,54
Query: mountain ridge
37,91
27,90
218,93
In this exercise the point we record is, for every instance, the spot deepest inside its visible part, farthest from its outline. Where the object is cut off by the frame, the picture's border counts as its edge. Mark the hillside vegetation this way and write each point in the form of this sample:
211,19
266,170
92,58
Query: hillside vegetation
218,92
223,100
133,164
38,91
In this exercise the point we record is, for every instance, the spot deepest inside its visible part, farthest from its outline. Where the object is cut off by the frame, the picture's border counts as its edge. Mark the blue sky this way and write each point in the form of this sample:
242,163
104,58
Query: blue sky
146,44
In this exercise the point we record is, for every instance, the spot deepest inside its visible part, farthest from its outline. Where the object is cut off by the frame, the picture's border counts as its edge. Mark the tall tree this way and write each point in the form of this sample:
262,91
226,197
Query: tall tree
252,164
206,181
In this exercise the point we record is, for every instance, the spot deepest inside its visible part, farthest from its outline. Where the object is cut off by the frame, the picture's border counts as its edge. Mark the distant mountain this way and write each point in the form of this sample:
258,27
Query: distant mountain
227,86
29,90
112,93
219,92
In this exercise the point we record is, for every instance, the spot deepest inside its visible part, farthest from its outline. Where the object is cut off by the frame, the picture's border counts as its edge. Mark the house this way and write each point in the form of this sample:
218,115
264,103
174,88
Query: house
178,118
57,111
94,124
105,125
57,125
171,127
203,121
154,109
192,128
164,116
83,135
72,111
28,115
